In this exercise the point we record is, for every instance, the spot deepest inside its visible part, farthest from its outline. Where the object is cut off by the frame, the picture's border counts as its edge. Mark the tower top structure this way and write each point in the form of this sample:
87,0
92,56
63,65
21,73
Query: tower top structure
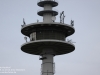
48,38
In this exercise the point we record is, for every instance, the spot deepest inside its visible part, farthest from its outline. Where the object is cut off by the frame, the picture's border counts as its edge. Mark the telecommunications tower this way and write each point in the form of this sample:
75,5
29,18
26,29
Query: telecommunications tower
48,38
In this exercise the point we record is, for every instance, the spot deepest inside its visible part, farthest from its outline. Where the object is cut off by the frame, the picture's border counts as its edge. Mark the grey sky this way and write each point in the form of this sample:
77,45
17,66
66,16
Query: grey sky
85,60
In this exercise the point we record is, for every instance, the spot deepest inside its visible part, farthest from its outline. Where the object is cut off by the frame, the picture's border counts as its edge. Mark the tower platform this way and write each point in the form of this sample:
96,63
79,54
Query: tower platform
41,26
53,3
36,47
42,12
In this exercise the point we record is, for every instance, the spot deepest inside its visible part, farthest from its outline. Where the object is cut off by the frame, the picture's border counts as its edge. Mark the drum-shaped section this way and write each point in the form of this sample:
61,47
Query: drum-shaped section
50,35
65,29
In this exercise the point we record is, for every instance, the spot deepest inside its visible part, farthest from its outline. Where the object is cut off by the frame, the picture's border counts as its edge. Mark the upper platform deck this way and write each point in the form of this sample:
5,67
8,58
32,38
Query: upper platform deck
33,27
53,3
42,12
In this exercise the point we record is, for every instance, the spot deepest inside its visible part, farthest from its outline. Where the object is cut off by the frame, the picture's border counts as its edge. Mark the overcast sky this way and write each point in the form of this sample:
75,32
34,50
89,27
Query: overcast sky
85,60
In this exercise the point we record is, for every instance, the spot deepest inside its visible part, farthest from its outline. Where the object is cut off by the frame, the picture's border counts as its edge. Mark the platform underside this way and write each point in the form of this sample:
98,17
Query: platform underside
36,47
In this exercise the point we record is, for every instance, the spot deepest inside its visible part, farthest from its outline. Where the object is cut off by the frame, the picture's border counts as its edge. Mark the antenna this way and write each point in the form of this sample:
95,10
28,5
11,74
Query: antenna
72,22
22,25
24,22
62,17
70,41
25,38
53,18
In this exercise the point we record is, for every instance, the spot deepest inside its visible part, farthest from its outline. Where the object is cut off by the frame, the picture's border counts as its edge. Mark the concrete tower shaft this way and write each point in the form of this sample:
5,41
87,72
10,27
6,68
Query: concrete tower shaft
47,13
47,62
47,53
47,17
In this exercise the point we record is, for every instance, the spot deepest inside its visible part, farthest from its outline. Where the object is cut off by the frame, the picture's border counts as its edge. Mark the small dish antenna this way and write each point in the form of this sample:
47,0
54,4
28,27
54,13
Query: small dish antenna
53,18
